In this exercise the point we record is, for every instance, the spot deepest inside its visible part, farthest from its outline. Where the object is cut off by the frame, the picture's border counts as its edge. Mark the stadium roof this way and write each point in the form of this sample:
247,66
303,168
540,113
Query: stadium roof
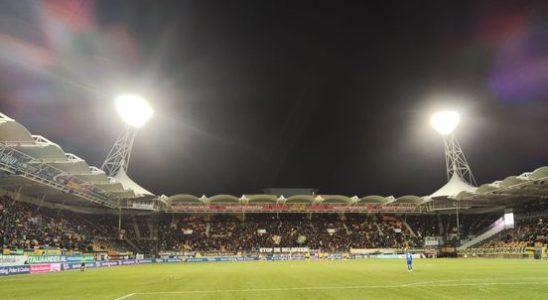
38,168
453,187
35,167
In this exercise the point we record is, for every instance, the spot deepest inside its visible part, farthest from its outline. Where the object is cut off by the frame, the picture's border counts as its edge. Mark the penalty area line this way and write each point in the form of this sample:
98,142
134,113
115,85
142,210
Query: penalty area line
318,288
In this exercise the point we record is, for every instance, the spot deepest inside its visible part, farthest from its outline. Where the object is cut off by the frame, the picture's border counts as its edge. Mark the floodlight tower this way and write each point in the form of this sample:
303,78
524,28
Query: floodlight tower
135,111
445,123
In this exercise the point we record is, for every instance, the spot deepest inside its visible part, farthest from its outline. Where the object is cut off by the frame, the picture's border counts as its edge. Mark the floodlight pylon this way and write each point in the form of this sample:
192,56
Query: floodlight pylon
119,155
455,161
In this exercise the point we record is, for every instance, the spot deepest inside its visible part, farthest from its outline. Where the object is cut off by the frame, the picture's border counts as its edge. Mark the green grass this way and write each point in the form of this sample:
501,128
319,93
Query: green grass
351,279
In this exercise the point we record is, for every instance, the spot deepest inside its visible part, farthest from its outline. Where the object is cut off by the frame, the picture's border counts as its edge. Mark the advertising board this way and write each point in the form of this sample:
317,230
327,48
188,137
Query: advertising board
41,268
12,260
44,259
14,270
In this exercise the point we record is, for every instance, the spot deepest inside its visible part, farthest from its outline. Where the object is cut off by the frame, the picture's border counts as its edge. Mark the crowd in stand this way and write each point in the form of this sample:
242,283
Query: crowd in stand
525,234
446,225
27,226
24,226
320,231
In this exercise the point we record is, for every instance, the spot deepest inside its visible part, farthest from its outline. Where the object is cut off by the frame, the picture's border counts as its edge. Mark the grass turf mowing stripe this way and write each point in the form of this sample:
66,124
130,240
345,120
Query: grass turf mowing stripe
412,285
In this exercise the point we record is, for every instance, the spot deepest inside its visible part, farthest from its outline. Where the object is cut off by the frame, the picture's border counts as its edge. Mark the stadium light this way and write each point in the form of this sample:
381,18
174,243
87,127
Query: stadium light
457,167
133,109
445,122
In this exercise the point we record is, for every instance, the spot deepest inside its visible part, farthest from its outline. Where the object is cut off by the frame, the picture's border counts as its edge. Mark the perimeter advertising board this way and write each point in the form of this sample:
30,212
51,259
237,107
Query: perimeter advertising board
12,260
14,270
45,259
79,258
221,258
45,268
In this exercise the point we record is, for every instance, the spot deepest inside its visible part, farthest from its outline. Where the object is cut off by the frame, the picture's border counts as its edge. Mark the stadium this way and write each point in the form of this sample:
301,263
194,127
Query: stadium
70,229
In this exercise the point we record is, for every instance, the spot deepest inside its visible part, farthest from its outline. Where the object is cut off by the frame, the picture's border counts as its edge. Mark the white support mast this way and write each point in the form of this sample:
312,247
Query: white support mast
455,161
119,155
135,112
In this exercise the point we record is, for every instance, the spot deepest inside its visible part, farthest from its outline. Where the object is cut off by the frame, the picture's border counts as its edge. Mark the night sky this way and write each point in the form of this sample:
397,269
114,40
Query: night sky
333,95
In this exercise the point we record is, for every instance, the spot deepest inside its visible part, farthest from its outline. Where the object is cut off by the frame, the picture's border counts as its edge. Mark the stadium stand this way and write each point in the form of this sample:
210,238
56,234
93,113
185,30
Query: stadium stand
30,227
329,232
25,226
528,232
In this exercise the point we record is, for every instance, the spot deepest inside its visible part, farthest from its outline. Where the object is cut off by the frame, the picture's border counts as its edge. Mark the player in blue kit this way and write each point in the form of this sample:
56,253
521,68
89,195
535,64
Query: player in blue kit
409,259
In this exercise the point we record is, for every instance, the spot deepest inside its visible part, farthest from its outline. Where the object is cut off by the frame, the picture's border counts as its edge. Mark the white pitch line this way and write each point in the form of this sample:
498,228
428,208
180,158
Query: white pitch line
126,296
417,285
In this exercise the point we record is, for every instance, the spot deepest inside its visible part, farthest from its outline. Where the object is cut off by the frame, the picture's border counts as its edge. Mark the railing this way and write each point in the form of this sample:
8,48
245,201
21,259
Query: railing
18,163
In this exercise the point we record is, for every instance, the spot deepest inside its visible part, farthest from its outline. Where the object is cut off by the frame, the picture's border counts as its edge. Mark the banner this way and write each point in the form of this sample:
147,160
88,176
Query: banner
43,268
79,258
299,208
143,205
7,251
372,251
12,260
8,159
432,240
284,249
106,263
285,257
46,259
56,267
221,258
14,270
40,252
19,161
76,266
166,254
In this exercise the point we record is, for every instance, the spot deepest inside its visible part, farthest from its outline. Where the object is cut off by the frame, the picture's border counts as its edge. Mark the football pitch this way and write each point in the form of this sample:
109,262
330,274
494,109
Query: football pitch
350,279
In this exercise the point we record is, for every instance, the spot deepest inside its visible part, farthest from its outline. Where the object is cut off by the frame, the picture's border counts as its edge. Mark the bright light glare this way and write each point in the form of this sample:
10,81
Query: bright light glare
133,109
445,122
509,220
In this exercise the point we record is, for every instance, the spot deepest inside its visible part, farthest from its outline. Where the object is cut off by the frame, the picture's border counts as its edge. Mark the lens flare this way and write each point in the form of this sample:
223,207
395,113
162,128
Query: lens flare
133,109
445,122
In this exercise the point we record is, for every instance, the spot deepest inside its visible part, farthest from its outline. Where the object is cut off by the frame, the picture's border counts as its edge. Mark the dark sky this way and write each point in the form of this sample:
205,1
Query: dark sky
334,95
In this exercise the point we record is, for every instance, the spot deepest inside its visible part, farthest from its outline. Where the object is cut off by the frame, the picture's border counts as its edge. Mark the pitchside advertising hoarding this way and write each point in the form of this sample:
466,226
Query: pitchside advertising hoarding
12,260
221,258
44,259
57,267
14,270
45,268
15,260
80,258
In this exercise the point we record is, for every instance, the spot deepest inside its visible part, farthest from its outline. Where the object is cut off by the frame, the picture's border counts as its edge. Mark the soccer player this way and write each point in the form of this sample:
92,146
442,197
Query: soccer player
409,259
